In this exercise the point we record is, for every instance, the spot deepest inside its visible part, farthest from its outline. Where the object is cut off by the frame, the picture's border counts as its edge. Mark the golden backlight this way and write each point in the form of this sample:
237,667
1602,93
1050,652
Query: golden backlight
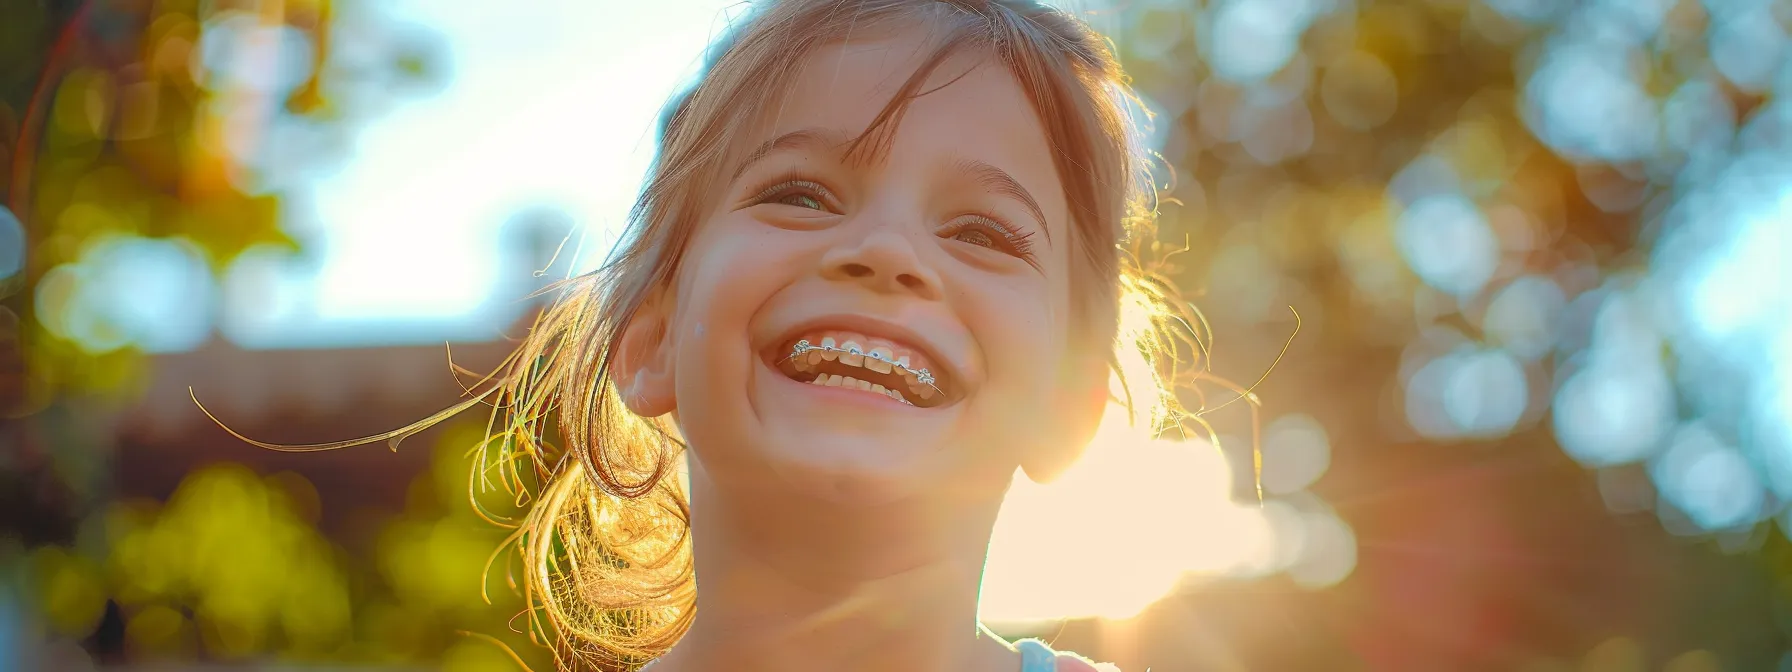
1120,530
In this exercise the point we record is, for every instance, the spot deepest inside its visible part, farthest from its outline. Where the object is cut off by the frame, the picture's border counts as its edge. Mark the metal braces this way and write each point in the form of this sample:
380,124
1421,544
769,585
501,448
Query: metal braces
922,376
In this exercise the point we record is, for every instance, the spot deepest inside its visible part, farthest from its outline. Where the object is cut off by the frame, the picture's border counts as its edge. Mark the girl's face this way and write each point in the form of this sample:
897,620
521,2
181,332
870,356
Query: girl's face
865,331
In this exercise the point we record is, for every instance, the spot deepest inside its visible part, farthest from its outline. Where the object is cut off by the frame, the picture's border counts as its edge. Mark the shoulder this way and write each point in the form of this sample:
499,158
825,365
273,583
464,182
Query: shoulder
1037,656
1069,662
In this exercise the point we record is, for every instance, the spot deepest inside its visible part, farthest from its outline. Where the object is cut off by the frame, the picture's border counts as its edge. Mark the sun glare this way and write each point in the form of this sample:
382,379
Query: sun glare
1120,530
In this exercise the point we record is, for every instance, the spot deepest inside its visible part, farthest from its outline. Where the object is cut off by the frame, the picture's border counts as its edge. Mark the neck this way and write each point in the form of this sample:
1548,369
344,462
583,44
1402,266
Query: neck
793,585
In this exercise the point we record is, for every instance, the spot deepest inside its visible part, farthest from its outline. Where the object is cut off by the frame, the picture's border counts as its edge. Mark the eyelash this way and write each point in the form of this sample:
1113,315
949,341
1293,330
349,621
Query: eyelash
1017,243
788,187
1020,244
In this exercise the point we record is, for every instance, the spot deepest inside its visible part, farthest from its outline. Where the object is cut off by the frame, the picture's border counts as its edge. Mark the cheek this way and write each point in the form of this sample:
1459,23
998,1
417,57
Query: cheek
724,272
721,283
1022,333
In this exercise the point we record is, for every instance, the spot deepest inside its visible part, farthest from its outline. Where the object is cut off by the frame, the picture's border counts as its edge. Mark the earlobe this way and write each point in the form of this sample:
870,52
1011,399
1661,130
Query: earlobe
641,368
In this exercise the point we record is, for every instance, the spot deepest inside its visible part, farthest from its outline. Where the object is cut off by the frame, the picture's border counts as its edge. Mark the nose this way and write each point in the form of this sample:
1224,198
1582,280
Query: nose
885,261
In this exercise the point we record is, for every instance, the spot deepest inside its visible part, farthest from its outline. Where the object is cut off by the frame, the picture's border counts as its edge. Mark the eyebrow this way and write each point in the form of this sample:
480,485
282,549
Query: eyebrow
1000,182
803,138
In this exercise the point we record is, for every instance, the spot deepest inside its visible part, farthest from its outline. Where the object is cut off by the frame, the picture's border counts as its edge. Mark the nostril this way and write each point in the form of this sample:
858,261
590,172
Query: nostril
857,270
911,281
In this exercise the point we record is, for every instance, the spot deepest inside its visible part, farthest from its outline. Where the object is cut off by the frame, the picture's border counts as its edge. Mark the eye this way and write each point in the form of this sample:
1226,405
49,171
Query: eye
796,193
990,233
802,201
975,237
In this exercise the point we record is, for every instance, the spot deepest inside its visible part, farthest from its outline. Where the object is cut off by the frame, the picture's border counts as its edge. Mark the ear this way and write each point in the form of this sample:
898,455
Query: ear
1080,401
641,367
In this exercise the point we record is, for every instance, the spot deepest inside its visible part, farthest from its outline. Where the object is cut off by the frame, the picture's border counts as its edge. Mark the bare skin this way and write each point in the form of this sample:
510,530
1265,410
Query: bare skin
836,529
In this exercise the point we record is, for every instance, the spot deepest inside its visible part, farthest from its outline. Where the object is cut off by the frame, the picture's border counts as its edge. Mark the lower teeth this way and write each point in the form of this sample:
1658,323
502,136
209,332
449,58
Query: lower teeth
849,382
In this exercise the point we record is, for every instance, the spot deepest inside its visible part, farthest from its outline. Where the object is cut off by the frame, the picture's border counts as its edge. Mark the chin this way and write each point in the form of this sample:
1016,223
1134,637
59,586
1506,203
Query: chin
855,471
849,447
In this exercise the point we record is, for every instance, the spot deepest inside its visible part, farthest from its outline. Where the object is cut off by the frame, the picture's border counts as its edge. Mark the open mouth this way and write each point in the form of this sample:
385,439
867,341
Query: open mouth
846,359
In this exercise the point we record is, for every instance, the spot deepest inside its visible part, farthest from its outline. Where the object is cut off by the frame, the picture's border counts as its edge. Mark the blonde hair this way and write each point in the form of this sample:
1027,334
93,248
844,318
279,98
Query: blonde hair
604,545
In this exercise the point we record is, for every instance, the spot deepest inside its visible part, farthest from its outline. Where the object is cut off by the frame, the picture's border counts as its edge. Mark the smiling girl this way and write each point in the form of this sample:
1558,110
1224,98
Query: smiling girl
877,267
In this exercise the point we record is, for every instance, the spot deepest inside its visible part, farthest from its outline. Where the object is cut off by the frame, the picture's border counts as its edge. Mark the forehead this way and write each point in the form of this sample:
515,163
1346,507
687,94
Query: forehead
970,107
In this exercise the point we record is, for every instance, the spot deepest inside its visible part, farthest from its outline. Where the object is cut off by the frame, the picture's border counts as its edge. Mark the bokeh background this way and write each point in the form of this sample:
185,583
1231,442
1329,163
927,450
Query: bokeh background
1537,414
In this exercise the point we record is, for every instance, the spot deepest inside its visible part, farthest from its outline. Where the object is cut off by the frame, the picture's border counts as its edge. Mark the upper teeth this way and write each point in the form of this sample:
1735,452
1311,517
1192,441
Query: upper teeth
880,359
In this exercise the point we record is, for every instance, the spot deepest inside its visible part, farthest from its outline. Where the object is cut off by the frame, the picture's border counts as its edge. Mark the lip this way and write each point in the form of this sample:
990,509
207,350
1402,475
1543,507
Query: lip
872,326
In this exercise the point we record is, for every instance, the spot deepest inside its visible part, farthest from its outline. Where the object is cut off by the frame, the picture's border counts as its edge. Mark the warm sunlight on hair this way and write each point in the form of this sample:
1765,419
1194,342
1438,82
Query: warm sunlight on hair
601,544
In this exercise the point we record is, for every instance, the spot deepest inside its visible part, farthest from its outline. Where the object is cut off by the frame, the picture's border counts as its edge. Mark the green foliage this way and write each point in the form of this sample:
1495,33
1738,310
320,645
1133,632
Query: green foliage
112,149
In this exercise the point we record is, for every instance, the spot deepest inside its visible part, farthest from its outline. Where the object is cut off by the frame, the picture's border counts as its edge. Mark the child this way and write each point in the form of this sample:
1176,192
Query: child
876,268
